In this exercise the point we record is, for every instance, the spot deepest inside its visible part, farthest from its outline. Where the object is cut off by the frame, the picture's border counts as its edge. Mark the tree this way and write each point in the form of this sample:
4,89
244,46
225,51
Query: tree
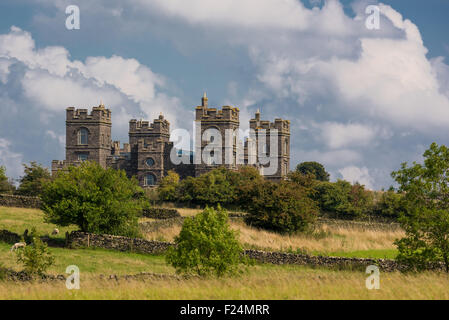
97,200
167,189
218,186
389,205
31,183
315,168
36,258
5,184
284,207
206,245
343,199
425,215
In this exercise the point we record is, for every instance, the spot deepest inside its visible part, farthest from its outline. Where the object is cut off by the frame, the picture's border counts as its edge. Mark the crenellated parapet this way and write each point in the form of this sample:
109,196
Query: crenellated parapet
98,114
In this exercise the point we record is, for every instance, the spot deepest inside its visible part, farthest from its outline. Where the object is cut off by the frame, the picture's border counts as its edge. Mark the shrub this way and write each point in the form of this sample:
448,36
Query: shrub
36,258
284,207
97,200
206,245
32,182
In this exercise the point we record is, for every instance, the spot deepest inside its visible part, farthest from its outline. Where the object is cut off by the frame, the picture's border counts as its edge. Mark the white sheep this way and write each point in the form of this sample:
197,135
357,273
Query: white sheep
55,231
18,245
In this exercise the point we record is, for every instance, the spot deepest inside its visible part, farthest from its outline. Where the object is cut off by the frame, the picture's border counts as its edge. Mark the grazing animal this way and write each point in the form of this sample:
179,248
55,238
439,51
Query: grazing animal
55,231
18,245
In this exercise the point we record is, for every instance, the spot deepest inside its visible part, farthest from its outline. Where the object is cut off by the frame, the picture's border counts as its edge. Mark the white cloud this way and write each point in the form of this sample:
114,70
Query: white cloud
355,174
338,135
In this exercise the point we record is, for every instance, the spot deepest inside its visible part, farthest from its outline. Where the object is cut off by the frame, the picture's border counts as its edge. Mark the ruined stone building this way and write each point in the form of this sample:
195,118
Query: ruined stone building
149,153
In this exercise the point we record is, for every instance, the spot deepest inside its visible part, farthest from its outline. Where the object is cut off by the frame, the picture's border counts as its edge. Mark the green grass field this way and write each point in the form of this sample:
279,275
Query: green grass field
261,281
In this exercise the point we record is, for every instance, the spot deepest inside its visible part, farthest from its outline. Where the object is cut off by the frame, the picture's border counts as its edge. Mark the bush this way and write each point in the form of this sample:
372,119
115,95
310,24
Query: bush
206,245
97,200
36,258
284,207
161,213
32,182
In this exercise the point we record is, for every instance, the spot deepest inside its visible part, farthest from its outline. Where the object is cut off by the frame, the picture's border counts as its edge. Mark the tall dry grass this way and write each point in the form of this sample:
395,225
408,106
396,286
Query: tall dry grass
259,283
326,238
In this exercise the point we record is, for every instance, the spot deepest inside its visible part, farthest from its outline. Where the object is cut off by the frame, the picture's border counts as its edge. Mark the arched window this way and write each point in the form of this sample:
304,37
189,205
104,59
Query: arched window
82,136
150,180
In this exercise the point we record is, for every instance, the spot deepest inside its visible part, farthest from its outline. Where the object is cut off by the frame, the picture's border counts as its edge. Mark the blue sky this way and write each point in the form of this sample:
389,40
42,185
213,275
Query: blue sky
360,101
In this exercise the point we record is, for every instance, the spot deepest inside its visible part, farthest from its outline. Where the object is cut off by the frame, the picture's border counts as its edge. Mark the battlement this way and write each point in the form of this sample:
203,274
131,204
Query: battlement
159,126
227,113
117,150
279,124
99,113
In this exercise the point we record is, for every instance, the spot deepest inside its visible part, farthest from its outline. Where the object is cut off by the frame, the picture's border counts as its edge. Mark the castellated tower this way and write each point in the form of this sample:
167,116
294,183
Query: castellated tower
215,144
88,136
150,149
277,132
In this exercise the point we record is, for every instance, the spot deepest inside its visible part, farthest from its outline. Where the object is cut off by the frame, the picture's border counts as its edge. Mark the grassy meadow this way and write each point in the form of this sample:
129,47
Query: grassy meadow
261,281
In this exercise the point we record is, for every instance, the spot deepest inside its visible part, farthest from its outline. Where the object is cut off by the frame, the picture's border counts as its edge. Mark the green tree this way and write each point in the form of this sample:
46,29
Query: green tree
343,199
168,186
36,258
389,205
315,168
34,178
207,245
215,187
425,215
284,207
5,184
97,200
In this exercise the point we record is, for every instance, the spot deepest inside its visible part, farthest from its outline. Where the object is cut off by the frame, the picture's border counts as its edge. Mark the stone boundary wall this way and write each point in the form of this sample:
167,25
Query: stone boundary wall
365,225
161,213
83,239
7,200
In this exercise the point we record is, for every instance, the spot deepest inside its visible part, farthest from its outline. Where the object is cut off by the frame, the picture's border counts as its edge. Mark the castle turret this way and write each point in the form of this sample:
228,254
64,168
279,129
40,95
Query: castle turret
88,135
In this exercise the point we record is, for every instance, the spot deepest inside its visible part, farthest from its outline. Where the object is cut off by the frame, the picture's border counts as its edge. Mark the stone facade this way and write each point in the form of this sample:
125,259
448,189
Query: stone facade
147,155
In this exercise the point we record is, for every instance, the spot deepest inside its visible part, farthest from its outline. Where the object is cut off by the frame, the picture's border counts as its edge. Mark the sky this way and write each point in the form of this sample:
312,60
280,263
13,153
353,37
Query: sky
361,101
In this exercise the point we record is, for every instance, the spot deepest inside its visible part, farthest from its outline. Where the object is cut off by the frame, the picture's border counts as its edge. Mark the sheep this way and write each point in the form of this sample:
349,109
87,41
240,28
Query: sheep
55,231
18,245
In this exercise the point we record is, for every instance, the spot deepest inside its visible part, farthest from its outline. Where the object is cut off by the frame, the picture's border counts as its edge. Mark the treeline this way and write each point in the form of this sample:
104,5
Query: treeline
30,184
302,192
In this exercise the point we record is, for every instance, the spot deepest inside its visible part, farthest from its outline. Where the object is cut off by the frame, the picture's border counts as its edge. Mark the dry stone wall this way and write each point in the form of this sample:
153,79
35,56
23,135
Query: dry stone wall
84,239
7,200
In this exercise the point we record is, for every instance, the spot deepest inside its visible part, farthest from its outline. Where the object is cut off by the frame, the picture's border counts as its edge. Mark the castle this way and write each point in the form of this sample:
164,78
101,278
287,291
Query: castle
150,154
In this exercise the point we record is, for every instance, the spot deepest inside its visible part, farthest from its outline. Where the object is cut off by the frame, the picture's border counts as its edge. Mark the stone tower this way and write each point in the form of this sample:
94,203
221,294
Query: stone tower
88,136
214,135
150,149
277,132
